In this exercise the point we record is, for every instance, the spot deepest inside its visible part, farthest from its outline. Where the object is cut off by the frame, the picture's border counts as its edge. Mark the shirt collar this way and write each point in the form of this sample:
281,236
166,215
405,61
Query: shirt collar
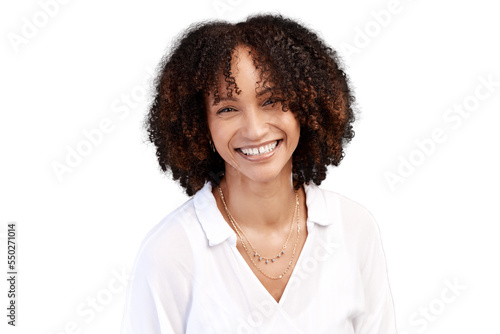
217,230
319,208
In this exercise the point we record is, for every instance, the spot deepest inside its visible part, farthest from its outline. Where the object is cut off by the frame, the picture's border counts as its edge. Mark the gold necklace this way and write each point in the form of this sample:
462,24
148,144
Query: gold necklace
255,253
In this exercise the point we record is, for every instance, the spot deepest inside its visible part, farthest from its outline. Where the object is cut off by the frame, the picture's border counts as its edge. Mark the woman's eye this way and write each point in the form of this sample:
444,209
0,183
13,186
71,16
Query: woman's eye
271,101
227,109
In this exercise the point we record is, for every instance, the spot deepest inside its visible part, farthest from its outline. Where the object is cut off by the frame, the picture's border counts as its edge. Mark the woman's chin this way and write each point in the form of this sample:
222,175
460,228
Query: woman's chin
260,176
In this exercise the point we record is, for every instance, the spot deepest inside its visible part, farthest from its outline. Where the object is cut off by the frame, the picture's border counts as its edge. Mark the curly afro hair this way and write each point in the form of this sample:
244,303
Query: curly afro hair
299,66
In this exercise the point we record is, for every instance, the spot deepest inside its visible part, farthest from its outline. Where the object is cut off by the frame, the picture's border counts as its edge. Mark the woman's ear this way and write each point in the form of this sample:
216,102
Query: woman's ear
211,144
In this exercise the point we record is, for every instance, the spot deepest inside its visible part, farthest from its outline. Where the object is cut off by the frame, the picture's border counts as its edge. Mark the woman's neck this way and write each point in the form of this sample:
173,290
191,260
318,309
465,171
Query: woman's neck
259,206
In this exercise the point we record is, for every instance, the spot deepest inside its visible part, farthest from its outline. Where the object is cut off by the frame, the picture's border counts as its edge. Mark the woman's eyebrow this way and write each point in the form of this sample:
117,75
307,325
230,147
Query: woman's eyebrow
264,92
223,99
230,98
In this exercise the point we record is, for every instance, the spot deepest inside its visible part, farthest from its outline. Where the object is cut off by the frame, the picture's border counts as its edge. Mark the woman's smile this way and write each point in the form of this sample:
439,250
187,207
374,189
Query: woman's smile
259,152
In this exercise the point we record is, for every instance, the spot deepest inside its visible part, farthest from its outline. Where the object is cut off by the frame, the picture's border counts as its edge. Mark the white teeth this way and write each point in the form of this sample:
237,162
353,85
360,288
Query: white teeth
261,150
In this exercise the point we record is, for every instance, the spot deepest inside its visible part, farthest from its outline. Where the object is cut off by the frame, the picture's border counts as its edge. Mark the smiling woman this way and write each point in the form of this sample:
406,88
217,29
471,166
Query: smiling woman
248,117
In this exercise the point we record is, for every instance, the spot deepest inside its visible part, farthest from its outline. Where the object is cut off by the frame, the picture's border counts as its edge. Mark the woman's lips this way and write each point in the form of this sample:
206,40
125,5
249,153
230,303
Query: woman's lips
260,152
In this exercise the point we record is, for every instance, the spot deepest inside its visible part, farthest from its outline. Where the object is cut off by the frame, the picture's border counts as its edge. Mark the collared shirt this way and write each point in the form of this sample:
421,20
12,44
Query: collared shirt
189,277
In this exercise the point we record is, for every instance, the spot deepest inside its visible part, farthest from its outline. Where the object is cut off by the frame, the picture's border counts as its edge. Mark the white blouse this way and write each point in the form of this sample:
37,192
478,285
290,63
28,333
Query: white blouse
189,277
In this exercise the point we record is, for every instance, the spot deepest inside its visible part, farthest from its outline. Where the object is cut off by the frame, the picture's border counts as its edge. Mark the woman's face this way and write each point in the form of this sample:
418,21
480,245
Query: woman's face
251,133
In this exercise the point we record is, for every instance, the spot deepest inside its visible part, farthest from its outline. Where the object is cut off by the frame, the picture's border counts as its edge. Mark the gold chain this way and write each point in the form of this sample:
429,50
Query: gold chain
256,254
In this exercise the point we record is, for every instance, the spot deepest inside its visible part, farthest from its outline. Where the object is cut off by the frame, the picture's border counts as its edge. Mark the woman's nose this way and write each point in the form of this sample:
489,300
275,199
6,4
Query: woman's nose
255,124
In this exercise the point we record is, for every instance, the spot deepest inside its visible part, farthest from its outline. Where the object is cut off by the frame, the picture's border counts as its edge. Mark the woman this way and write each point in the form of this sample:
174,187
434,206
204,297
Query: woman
247,117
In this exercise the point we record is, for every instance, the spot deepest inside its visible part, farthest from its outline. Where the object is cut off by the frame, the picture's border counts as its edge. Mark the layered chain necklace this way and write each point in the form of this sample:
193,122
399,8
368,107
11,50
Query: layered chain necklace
255,254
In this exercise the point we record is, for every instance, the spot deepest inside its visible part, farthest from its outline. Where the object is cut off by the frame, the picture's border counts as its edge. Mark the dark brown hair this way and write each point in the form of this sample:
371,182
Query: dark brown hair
299,66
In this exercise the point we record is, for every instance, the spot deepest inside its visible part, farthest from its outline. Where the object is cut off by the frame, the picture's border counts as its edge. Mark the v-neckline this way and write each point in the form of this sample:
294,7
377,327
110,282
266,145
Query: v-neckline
248,269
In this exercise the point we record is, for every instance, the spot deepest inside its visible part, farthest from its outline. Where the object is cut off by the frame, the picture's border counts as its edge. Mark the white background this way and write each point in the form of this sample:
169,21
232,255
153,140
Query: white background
88,59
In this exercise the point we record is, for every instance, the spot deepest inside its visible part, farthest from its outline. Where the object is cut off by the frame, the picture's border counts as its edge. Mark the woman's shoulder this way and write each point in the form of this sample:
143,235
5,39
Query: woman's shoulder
174,223
337,209
176,237
168,243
